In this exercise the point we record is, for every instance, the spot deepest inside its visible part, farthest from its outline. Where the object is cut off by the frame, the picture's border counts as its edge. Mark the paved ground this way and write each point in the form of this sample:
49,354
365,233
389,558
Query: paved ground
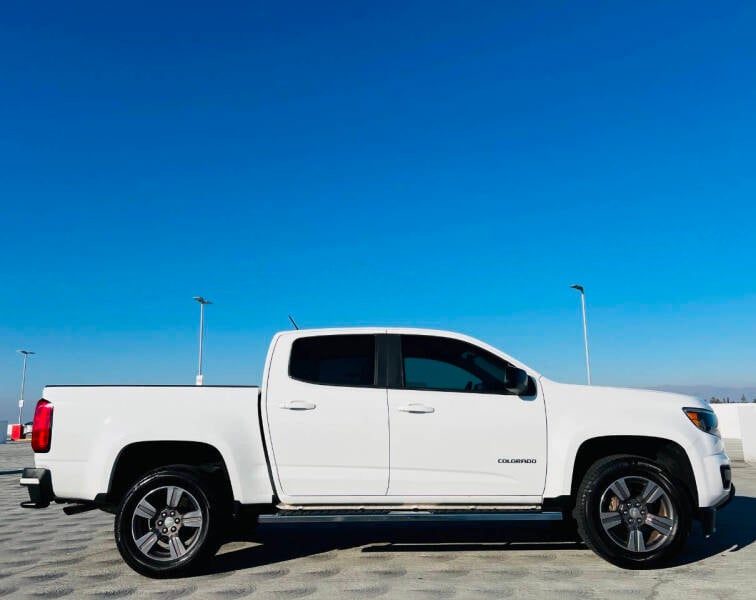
46,554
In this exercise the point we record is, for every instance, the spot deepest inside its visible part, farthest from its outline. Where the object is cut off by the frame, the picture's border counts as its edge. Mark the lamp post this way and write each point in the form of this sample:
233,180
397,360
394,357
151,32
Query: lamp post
580,289
26,354
202,303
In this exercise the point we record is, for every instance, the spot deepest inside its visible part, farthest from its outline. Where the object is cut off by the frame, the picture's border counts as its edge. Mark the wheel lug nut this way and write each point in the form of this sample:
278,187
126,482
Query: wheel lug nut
172,513
163,514
177,520
165,530
160,522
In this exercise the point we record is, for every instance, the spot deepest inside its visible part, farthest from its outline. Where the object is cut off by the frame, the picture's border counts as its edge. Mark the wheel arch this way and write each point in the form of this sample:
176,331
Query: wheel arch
138,458
666,452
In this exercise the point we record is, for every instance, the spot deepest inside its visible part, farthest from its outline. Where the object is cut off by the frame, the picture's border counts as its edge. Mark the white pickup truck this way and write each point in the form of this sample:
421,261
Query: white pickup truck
375,424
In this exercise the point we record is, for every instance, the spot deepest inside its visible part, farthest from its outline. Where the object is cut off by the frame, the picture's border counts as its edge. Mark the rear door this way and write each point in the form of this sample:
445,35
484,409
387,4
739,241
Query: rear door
455,430
328,415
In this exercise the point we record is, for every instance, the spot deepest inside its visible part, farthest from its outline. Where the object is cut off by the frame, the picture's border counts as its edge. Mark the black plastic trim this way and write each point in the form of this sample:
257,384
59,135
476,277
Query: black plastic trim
381,360
395,375
560,503
245,511
150,385
40,494
708,518
708,515
79,507
274,500
726,473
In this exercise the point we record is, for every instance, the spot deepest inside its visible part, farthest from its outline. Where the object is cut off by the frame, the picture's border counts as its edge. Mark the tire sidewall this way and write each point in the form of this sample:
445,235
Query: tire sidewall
595,484
125,542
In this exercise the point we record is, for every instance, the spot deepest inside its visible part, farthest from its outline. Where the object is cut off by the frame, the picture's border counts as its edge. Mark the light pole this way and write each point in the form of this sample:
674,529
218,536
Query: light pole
580,289
26,354
202,303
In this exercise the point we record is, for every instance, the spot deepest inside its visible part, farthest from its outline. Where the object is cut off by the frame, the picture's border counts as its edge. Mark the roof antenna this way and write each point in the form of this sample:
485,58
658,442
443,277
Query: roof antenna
293,322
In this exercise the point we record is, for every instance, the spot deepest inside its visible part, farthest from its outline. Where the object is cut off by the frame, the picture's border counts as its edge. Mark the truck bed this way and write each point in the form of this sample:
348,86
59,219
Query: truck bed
110,419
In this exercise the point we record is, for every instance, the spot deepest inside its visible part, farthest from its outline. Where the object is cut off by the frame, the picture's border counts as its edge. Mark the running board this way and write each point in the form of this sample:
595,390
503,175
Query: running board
407,506
417,516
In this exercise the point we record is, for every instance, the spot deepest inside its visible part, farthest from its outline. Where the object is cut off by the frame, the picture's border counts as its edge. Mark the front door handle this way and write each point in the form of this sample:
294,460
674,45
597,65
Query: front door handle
298,405
417,408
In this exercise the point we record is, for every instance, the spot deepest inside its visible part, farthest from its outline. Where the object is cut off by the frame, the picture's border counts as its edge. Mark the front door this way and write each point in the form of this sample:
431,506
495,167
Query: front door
327,416
455,431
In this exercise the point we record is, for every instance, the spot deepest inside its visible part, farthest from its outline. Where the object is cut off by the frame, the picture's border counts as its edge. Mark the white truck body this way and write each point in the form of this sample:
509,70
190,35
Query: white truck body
294,443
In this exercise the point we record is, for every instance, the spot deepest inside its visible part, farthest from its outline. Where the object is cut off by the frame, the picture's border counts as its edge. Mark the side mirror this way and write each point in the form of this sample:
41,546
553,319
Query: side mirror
517,381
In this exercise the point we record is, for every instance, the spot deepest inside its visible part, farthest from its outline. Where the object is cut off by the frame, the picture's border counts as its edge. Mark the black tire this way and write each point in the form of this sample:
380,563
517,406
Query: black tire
167,553
630,532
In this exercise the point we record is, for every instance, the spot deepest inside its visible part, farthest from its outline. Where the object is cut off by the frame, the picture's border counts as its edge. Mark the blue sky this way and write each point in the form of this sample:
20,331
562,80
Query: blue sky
452,166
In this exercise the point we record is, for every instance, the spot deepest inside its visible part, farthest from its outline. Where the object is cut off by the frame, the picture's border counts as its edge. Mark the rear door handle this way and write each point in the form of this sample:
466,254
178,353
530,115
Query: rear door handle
417,408
298,405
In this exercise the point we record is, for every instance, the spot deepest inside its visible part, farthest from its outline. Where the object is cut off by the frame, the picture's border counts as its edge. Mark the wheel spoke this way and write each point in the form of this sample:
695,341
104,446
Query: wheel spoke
145,509
662,524
192,519
176,547
174,496
651,493
620,489
636,542
147,541
610,519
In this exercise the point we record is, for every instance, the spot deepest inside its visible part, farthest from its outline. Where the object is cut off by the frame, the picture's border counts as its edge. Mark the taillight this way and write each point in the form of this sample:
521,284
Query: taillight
42,426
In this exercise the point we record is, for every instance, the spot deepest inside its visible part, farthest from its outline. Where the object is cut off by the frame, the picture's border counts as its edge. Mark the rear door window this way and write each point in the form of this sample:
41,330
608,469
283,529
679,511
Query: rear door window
334,360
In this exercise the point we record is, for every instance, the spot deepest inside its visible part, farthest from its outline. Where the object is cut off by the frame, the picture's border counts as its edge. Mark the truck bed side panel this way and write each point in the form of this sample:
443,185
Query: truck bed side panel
92,424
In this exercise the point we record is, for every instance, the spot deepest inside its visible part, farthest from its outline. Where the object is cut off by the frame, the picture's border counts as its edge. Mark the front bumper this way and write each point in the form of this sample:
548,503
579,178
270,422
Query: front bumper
39,484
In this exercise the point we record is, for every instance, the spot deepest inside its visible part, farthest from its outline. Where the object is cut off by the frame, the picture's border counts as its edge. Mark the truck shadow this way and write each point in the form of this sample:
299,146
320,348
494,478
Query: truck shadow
278,543
736,529
281,542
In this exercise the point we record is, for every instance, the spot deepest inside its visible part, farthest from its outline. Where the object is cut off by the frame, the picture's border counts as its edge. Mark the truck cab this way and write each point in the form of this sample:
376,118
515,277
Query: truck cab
403,416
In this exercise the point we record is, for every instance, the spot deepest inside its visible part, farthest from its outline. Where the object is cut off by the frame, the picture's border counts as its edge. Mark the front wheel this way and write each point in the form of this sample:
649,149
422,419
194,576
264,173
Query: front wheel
631,512
165,525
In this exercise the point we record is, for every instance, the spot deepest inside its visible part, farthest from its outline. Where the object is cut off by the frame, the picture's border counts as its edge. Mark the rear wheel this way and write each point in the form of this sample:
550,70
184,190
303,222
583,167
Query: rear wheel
166,524
633,513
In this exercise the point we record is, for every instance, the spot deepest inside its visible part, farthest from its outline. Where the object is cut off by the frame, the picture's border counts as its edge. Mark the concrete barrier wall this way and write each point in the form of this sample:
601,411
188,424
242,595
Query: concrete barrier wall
729,419
738,421
748,431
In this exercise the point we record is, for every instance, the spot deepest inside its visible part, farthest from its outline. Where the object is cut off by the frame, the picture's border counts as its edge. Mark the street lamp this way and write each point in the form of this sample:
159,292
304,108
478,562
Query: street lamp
580,289
26,354
202,303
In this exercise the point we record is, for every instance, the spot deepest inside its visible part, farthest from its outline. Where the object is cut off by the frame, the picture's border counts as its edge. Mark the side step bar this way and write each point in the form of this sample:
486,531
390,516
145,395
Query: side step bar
395,516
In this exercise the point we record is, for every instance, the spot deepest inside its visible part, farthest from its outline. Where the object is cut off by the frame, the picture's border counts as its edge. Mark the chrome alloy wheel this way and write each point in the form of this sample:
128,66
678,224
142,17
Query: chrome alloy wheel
166,523
637,514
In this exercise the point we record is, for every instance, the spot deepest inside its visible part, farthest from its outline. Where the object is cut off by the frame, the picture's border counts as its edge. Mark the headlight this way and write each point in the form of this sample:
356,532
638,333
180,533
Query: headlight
704,419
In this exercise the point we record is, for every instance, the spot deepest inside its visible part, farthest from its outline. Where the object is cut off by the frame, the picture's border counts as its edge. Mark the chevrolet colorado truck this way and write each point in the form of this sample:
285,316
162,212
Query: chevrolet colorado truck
380,424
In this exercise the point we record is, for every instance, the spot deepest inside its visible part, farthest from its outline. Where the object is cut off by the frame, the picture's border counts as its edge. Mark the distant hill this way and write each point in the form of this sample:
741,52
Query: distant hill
709,391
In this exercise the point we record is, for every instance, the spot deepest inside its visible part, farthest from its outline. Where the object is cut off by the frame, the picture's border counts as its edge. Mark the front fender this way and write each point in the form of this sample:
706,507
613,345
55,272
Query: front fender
578,414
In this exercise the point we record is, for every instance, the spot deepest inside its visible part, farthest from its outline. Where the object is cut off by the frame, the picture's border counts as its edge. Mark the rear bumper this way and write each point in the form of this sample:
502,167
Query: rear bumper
39,484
